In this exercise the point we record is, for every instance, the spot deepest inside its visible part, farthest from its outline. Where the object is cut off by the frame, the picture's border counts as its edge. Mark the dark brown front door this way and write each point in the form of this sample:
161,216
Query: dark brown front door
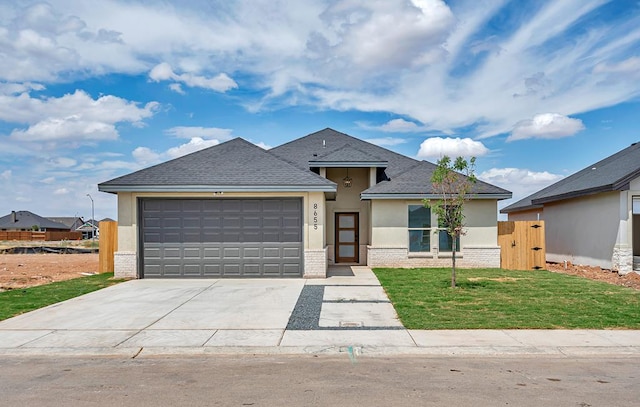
347,238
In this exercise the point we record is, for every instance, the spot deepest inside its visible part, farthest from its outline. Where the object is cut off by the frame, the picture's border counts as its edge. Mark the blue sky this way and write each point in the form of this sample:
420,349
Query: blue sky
93,90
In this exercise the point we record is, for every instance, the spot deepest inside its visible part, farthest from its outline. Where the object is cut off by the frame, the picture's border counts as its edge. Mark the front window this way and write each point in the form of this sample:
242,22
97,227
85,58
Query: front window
420,232
445,242
419,228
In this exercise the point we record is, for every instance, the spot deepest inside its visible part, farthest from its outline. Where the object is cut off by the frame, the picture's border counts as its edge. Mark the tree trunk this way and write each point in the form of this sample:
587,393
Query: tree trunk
453,267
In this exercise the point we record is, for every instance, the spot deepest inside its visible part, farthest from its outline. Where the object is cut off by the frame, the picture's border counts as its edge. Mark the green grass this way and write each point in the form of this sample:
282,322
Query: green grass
19,301
503,299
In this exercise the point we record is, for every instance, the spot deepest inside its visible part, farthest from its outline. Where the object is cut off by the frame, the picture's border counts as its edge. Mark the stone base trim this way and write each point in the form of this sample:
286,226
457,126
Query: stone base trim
315,263
125,265
470,257
481,257
622,259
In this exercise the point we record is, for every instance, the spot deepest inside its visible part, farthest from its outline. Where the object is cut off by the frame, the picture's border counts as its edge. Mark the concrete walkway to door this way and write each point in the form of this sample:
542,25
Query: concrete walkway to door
346,312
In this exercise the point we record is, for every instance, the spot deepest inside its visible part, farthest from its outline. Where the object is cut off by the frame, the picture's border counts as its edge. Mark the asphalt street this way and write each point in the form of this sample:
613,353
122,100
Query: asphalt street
320,380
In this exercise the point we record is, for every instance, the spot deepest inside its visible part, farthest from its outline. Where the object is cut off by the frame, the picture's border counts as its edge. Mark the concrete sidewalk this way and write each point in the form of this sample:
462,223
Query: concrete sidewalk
345,313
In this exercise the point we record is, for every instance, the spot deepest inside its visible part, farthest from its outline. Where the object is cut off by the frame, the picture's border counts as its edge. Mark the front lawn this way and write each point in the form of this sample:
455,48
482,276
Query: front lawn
19,301
505,299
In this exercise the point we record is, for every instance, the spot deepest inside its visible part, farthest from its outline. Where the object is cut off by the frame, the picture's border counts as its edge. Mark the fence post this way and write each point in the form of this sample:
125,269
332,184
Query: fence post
108,241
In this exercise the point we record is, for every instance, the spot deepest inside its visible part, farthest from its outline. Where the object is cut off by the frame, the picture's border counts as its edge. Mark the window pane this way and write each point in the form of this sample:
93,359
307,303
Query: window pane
347,236
346,251
346,221
419,216
419,240
636,205
444,242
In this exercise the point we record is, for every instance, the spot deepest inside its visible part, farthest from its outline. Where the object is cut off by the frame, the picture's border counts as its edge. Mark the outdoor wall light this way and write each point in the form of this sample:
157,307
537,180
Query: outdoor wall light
346,181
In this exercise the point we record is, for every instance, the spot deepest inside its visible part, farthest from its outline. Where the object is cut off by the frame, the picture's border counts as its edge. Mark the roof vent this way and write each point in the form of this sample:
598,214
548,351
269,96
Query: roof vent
14,218
324,143
315,155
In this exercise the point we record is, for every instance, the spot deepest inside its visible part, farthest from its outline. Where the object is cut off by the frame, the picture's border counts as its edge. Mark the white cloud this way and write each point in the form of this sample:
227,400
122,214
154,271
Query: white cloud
546,126
176,87
263,145
399,126
6,175
439,68
436,147
145,156
201,132
73,117
62,162
48,180
61,191
627,66
386,141
16,88
219,83
195,144
522,182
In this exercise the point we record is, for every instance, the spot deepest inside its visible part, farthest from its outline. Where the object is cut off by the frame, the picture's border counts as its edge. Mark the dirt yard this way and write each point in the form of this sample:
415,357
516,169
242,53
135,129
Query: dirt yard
596,273
28,270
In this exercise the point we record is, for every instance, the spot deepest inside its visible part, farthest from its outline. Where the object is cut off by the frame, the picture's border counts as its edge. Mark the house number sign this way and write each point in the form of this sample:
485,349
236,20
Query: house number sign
315,216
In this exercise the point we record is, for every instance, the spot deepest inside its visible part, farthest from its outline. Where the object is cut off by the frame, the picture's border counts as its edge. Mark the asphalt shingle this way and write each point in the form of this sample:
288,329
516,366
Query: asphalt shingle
234,163
300,151
417,180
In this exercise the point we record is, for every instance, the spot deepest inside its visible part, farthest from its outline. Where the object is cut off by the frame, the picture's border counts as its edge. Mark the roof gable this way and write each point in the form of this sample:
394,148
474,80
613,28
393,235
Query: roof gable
301,151
347,156
234,165
610,174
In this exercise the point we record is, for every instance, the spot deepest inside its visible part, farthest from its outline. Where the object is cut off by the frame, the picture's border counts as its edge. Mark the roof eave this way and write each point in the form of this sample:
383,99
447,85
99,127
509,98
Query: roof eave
350,164
520,208
216,188
573,194
366,196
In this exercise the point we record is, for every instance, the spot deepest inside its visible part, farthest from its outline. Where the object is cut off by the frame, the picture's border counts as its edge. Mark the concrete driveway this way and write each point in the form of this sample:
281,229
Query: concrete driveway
196,314
178,313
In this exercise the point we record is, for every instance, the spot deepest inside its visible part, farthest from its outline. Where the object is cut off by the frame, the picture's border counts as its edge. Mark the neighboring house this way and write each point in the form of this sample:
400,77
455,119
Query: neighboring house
593,216
71,222
89,228
27,221
236,210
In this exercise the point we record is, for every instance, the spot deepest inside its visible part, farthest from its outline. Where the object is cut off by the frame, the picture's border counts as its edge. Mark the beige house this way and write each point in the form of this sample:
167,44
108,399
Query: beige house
593,216
236,210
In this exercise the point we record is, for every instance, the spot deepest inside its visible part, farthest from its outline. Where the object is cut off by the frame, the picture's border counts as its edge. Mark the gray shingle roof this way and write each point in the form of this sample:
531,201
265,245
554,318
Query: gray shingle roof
349,156
611,174
238,165
70,221
300,151
26,220
417,181
234,165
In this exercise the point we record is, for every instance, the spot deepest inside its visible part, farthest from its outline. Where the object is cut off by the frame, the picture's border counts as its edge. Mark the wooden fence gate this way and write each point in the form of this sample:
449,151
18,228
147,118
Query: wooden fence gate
108,245
522,245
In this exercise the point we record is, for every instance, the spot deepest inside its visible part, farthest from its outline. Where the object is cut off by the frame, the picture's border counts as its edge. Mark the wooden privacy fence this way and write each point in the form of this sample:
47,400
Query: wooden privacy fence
40,236
522,245
108,245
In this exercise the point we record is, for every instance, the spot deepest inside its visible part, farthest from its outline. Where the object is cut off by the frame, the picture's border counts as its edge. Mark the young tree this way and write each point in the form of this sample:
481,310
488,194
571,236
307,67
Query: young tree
452,181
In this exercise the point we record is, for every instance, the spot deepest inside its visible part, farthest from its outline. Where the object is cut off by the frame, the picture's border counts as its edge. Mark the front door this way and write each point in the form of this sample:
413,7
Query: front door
347,246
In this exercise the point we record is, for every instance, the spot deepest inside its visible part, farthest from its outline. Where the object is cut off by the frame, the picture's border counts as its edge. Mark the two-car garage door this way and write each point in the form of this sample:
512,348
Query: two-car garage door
212,238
